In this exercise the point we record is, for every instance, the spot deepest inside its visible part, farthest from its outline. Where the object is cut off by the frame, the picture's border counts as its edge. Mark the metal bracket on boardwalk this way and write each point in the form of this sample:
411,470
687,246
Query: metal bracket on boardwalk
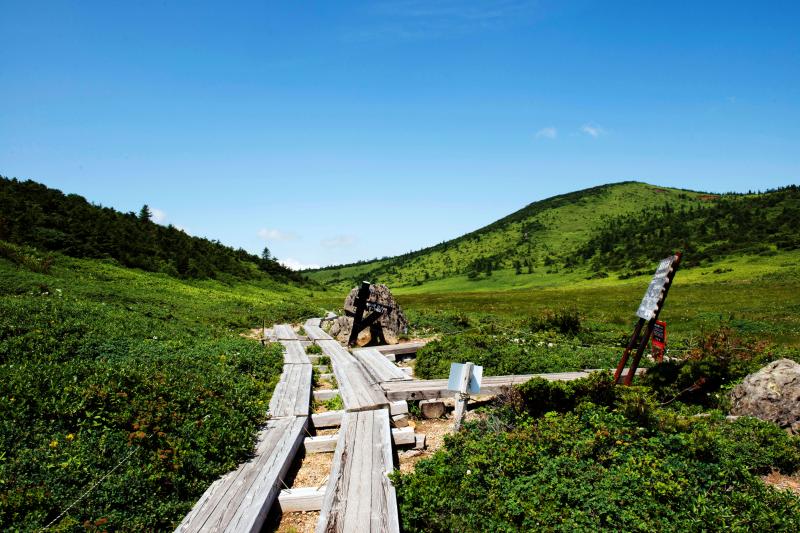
360,322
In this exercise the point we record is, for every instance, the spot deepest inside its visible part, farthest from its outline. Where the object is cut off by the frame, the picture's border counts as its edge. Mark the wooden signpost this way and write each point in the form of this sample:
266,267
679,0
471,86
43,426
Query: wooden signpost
360,322
648,312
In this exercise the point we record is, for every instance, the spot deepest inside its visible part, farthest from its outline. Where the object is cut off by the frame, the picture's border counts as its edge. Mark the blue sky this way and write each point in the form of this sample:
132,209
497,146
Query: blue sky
337,131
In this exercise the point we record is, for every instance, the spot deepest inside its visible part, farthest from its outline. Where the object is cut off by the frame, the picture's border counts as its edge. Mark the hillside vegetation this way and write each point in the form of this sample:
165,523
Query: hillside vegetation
35,215
614,230
102,365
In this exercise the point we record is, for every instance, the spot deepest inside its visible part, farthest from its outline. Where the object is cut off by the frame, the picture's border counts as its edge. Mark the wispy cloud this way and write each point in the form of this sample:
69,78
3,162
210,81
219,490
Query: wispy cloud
158,216
276,235
547,133
426,19
593,130
339,241
294,264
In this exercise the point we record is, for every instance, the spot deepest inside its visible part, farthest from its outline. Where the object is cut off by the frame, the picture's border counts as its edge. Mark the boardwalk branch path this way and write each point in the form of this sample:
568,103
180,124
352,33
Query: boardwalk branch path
241,500
359,496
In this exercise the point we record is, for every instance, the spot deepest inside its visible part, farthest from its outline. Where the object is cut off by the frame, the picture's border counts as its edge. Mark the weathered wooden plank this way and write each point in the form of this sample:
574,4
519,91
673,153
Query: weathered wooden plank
284,332
327,394
404,348
314,322
357,392
294,353
327,443
302,499
359,496
378,367
424,389
328,419
292,396
240,500
316,333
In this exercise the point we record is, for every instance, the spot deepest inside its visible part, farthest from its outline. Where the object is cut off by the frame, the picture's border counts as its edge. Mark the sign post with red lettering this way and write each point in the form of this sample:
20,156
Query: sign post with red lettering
648,313
659,341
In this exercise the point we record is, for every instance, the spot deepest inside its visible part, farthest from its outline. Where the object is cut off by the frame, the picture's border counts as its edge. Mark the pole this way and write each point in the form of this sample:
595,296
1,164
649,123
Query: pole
462,396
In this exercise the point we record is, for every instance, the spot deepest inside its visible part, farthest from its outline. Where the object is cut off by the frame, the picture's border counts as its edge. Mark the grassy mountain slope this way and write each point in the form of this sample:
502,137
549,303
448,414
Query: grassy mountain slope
99,362
618,229
540,230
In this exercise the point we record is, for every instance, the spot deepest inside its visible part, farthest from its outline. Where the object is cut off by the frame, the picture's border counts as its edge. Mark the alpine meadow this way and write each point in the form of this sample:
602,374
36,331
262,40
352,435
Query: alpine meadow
440,266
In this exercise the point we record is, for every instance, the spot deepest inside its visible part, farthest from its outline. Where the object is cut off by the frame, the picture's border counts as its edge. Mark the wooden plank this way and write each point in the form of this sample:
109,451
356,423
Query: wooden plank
327,443
316,333
356,390
359,495
292,396
378,367
284,332
425,389
314,322
302,499
327,394
328,419
404,348
240,500
294,353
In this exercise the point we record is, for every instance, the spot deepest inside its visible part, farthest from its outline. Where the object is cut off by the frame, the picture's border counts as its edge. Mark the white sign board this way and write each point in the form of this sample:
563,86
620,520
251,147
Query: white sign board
454,381
647,309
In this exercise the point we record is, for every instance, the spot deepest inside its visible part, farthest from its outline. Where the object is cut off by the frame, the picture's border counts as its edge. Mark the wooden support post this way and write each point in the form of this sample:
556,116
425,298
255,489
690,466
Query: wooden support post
631,343
462,396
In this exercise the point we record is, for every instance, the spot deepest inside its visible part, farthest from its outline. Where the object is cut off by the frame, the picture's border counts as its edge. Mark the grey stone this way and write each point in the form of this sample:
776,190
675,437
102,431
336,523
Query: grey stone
432,408
772,394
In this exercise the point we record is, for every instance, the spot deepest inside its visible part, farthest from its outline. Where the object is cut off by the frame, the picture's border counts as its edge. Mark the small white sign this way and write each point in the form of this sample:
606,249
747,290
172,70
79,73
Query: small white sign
456,371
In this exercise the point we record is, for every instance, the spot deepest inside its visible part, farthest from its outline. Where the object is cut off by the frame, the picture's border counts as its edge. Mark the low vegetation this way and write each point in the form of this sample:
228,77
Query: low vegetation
107,370
589,456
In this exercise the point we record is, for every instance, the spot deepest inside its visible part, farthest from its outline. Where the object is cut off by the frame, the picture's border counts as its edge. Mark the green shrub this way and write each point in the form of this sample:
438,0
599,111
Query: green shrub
598,469
313,349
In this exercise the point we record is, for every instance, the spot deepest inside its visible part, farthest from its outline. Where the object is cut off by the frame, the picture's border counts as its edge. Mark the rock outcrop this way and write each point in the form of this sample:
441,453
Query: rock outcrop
389,328
772,393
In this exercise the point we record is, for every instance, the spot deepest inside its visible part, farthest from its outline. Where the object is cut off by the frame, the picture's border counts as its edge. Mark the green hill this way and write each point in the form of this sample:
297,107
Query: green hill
35,215
614,230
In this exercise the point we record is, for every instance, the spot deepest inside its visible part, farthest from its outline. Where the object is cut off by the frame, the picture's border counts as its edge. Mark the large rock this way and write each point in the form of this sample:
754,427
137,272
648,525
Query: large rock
772,393
390,326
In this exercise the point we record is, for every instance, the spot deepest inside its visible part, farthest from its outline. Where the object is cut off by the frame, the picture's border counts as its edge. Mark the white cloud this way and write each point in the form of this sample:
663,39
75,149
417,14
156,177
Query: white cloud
339,241
294,264
547,133
593,130
158,216
276,235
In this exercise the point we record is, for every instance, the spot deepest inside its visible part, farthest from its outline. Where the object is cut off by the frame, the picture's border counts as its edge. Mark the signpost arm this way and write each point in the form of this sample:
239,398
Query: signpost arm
462,396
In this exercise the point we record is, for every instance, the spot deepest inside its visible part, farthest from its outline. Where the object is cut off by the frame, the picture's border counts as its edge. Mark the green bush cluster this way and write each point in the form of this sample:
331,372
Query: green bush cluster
624,466
512,351
99,364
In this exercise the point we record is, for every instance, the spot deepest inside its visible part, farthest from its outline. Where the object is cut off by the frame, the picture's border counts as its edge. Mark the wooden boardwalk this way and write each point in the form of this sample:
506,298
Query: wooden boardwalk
284,332
425,389
240,500
359,495
358,391
378,367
